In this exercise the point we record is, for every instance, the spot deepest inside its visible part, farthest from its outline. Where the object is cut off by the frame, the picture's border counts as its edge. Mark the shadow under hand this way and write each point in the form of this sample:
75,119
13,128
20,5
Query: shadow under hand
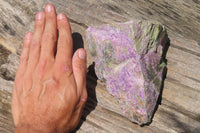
91,81
91,90
77,41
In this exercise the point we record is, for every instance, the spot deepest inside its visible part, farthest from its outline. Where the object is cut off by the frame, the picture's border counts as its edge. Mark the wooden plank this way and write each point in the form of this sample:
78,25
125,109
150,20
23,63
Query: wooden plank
179,110
6,122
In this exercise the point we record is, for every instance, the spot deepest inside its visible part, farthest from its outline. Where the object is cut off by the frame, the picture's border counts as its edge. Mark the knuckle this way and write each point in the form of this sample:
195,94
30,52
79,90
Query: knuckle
67,68
49,37
84,97
64,69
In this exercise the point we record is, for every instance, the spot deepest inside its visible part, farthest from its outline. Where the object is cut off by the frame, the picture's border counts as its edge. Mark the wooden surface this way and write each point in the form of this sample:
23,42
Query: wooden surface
179,111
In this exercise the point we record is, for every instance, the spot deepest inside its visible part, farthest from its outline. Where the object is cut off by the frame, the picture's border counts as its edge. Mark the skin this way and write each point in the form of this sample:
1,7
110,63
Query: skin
50,90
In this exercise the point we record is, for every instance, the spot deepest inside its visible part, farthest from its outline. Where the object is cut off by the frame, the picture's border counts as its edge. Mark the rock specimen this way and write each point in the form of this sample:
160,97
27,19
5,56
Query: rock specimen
129,59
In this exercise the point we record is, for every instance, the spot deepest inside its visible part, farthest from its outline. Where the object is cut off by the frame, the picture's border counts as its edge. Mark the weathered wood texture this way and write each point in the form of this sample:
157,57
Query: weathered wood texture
180,104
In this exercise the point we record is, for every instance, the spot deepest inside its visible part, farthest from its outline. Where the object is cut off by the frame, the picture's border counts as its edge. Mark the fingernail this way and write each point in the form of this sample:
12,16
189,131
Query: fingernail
82,54
49,8
39,16
61,16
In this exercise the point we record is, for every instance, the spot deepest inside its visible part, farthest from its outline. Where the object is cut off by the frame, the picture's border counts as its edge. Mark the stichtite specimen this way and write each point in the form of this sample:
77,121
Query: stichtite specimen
129,59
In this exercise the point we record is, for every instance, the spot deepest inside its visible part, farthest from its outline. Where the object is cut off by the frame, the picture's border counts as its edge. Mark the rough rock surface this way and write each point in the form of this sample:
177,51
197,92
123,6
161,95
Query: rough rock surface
6,88
8,70
129,59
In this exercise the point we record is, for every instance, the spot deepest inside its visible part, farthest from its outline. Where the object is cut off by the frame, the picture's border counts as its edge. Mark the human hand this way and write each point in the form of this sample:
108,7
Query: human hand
50,90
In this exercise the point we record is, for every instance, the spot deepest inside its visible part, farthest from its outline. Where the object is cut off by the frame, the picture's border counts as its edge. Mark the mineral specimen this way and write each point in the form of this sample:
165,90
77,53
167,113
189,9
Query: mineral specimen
129,59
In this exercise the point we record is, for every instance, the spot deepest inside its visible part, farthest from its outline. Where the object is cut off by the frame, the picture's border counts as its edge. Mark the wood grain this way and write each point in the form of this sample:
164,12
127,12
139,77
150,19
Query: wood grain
179,111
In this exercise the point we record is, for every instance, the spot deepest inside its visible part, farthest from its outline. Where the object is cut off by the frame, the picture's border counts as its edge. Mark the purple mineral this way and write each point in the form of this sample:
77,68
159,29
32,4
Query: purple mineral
129,59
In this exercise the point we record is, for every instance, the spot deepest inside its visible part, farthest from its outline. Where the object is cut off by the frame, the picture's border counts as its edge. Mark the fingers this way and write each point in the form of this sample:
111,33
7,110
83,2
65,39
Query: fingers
64,47
79,70
24,54
36,41
23,62
49,37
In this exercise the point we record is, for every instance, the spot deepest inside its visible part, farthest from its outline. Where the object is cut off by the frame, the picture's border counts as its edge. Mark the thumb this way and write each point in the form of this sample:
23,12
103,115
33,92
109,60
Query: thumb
79,70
